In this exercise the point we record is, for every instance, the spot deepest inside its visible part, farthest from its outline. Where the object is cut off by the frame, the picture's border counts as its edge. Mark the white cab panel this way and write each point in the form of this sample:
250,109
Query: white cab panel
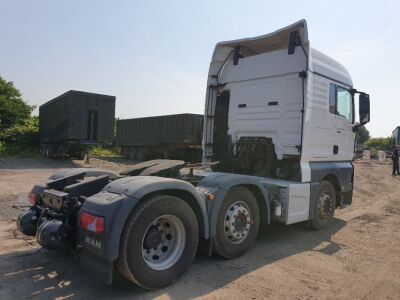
294,198
298,203
266,98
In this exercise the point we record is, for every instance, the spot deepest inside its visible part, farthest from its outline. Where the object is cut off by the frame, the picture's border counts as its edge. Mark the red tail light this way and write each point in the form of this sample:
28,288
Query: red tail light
32,198
92,223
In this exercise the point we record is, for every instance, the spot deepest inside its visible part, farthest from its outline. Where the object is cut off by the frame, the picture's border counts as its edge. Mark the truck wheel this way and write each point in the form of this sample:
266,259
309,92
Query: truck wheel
324,206
158,243
237,224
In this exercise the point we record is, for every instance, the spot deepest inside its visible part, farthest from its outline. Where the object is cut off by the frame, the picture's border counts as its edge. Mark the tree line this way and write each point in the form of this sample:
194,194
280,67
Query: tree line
19,130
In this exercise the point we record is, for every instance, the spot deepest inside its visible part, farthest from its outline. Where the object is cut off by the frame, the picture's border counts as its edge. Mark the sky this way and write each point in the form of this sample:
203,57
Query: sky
154,55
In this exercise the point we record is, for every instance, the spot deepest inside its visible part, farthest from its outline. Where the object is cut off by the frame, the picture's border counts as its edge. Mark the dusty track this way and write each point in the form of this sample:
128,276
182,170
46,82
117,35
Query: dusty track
357,257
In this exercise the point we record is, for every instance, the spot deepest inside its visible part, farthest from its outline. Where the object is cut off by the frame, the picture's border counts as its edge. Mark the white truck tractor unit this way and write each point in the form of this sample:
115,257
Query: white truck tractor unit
278,141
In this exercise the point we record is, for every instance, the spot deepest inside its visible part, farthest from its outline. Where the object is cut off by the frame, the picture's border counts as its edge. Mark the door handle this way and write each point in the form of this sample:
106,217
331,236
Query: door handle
335,149
339,131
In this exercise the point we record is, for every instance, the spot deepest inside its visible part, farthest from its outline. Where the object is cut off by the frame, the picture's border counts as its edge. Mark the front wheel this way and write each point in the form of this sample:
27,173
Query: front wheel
158,243
237,224
324,206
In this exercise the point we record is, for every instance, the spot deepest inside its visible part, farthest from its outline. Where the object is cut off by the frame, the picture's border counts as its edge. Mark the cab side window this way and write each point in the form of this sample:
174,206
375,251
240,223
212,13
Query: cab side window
341,102
344,104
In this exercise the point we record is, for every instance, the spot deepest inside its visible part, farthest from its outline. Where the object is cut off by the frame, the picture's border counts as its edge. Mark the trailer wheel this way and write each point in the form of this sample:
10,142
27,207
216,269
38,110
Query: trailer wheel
237,224
324,206
61,151
124,152
142,153
49,151
81,154
132,153
158,243
43,149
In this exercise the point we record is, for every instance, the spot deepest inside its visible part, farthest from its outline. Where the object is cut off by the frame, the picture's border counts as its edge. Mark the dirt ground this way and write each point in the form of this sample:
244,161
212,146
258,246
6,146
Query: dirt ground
356,257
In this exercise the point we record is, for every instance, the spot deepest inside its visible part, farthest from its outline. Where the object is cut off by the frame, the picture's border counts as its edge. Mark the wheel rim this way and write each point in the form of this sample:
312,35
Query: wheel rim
238,221
163,242
325,205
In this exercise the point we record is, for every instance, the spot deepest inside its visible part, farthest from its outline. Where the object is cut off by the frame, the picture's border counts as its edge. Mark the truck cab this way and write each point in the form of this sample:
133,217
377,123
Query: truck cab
278,140
274,97
277,108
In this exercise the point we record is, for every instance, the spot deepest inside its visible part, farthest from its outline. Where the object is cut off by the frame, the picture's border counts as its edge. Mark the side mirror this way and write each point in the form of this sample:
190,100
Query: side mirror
363,110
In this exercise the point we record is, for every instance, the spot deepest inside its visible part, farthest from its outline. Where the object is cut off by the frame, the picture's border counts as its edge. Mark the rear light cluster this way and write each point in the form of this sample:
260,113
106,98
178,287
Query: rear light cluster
92,223
32,198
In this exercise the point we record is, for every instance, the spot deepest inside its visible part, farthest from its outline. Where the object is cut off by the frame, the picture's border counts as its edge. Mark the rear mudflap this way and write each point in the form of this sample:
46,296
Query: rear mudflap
96,267
90,251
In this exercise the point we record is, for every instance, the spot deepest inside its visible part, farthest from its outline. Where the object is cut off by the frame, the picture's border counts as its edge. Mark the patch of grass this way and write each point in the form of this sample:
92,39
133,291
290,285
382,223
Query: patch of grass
17,150
105,152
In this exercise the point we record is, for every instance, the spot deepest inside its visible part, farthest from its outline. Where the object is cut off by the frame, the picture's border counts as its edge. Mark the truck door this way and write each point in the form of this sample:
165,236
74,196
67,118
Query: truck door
343,147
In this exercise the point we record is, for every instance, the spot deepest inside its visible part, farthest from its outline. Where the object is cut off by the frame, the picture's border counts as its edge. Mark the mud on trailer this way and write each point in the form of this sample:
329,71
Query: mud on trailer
279,119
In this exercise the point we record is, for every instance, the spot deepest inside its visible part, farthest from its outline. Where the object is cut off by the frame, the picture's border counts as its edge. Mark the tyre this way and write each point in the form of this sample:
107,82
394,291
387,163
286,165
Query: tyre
324,206
125,152
43,149
49,152
142,154
158,243
132,153
61,151
81,154
237,224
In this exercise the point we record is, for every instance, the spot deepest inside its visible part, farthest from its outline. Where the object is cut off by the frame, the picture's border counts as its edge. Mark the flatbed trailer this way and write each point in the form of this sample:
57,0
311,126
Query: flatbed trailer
278,141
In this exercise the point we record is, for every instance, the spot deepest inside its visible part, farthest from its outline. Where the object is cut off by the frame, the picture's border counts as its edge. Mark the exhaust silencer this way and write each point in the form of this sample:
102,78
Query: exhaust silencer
27,222
49,235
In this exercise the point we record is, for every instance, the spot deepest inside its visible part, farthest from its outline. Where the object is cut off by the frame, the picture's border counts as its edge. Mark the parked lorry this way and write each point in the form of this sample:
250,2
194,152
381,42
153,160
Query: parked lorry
70,123
172,136
279,119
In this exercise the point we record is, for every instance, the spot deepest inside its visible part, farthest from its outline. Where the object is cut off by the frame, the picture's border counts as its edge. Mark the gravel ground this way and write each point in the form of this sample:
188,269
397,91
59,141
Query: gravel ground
356,257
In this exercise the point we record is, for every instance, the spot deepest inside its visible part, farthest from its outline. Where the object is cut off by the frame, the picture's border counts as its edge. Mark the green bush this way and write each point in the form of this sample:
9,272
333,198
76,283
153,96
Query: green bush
362,135
21,138
13,109
19,132
373,153
375,144
385,144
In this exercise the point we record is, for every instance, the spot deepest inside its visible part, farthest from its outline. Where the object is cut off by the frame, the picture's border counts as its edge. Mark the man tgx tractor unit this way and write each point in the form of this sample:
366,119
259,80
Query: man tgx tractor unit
278,142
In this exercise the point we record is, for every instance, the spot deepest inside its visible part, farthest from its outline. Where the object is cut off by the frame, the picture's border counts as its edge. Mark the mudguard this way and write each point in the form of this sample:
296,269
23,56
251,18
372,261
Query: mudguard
342,171
220,183
116,202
